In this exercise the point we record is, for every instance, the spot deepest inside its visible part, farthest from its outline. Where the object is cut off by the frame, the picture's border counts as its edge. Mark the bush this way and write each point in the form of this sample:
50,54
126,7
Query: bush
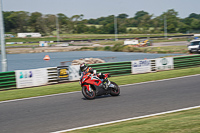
97,48
86,48
107,48
117,47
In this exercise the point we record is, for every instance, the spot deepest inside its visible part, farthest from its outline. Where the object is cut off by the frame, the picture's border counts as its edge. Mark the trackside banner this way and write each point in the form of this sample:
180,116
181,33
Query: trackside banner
141,66
164,63
32,77
70,73
63,73
74,72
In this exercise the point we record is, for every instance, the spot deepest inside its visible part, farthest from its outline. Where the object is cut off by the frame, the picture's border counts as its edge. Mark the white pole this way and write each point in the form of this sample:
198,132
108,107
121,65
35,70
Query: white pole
115,25
3,51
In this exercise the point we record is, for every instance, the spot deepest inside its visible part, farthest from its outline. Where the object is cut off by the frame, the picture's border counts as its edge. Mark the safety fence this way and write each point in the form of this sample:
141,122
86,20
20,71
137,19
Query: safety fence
114,68
54,75
186,61
7,80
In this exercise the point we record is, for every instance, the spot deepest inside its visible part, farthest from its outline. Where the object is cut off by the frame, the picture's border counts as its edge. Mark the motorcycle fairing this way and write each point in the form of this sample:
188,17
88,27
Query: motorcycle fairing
96,84
93,81
87,81
99,90
88,87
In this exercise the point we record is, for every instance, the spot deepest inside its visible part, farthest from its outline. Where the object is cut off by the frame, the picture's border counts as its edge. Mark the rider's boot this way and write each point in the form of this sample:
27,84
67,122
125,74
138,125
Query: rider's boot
106,83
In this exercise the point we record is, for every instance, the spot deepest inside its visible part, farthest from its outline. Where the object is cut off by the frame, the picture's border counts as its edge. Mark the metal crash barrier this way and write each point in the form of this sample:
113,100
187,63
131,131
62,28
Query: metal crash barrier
114,68
7,80
186,61
54,75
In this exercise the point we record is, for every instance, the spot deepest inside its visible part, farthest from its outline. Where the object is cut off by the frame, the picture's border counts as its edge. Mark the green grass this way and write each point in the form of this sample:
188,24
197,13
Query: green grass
179,122
15,39
139,28
122,48
165,49
66,37
25,44
69,87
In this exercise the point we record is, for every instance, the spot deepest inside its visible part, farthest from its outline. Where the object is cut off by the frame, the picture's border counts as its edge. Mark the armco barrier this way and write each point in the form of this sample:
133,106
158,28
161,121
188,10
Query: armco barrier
186,61
7,80
114,68
52,75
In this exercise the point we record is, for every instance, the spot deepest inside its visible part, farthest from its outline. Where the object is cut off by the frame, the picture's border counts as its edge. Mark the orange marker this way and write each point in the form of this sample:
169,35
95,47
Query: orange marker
46,57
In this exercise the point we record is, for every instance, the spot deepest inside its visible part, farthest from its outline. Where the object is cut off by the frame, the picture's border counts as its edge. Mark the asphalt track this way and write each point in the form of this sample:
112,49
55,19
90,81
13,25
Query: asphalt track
180,43
66,111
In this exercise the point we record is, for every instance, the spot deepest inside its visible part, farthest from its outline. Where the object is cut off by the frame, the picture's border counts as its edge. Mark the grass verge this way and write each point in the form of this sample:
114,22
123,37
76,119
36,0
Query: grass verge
70,87
179,122
67,37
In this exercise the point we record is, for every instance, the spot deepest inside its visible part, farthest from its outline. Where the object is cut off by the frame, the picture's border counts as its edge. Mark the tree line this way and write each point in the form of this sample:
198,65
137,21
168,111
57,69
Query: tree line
142,21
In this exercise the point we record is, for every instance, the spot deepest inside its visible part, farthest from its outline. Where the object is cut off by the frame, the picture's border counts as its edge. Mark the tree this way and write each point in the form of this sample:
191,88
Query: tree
17,20
194,15
92,29
108,28
122,16
77,18
145,22
91,21
172,20
187,20
35,20
8,22
63,19
183,28
81,28
140,14
156,24
65,24
50,23
195,24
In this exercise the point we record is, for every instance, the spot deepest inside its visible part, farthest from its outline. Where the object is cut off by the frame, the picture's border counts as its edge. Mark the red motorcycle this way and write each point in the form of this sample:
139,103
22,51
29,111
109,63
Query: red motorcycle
93,86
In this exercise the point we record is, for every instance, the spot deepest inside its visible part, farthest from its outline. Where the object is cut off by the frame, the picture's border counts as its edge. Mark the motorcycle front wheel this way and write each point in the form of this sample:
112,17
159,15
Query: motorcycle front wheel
87,94
114,91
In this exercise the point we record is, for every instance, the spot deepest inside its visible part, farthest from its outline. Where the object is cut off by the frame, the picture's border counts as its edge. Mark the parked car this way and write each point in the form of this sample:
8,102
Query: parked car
194,46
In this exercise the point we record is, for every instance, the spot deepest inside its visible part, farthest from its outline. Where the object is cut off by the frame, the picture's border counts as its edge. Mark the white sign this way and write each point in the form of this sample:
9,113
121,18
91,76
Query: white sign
196,34
164,63
32,77
43,43
141,66
131,42
29,35
74,72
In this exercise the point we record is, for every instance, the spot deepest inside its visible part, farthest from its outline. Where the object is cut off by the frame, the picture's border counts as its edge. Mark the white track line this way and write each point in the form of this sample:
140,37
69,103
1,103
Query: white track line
79,91
133,118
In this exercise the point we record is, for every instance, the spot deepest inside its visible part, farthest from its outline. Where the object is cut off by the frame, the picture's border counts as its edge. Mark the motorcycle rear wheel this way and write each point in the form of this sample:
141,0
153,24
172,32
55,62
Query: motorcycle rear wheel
88,95
114,91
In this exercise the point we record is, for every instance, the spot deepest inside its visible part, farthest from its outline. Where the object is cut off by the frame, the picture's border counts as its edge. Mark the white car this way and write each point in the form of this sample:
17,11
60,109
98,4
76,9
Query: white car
194,46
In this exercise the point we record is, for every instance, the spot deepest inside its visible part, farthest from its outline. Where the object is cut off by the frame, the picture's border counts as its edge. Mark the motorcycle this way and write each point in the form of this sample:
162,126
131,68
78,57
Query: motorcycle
93,86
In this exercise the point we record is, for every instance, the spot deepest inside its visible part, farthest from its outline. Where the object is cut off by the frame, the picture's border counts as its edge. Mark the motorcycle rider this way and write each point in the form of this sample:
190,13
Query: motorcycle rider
89,70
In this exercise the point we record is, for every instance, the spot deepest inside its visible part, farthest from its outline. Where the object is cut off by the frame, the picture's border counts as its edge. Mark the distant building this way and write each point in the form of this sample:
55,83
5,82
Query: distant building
29,35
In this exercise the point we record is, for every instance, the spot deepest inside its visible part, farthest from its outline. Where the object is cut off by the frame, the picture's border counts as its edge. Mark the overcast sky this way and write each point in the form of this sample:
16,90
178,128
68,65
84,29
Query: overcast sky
103,8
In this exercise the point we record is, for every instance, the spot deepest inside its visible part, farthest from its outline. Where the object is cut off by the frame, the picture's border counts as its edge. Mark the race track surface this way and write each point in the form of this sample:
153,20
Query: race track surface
66,111
179,43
